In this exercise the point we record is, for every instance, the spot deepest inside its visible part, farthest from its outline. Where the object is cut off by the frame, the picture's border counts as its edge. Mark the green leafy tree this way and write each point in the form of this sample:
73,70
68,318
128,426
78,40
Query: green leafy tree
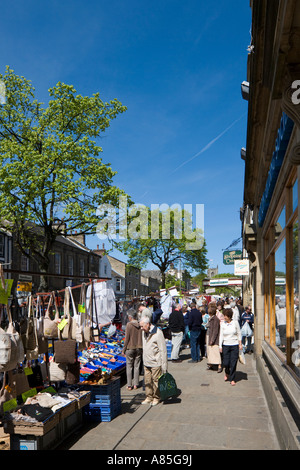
50,165
157,237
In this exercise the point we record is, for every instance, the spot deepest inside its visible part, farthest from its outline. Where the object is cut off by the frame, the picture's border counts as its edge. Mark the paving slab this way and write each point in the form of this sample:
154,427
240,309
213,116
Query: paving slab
209,414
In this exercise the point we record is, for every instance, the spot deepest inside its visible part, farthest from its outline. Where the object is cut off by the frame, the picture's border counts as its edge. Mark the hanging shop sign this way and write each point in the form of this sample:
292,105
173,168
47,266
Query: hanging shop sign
230,256
241,267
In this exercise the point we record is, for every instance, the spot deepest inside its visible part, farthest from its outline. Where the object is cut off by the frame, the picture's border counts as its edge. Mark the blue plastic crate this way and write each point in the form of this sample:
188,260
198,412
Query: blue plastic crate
92,414
105,399
97,413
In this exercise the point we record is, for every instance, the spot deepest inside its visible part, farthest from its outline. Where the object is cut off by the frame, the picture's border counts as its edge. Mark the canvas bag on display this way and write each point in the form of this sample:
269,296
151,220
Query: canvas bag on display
73,373
42,341
57,372
77,325
17,339
18,381
50,326
10,347
30,341
65,350
86,331
66,332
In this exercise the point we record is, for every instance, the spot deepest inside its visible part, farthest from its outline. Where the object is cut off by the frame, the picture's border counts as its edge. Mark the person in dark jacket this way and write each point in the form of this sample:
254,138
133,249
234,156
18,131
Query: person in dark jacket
133,349
176,325
195,322
186,334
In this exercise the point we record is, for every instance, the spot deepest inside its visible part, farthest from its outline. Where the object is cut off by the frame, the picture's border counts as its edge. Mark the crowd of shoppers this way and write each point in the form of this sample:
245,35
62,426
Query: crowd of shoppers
217,331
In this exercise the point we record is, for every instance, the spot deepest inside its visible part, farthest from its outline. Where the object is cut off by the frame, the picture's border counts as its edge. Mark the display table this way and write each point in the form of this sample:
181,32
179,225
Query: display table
51,432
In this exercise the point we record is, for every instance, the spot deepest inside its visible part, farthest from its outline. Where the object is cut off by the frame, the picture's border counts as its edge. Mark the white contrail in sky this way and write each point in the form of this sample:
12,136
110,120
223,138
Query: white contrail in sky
209,144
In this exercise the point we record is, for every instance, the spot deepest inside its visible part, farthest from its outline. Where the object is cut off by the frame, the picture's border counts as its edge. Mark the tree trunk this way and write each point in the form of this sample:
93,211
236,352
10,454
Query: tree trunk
163,279
43,286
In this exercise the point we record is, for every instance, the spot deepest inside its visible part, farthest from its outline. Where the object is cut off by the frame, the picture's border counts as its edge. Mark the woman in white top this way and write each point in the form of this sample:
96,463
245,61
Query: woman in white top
230,343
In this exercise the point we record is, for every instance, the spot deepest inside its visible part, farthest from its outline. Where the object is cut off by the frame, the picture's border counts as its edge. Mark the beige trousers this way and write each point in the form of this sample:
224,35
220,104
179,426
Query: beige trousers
151,376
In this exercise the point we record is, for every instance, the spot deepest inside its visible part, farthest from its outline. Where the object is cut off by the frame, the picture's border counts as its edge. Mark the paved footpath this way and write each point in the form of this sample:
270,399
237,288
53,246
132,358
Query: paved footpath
210,414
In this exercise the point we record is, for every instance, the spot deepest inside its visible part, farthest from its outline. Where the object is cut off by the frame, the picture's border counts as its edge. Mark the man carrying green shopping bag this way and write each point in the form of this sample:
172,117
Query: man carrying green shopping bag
155,359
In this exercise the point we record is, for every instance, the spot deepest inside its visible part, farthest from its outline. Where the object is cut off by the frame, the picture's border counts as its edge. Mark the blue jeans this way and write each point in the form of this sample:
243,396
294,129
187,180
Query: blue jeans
195,346
186,339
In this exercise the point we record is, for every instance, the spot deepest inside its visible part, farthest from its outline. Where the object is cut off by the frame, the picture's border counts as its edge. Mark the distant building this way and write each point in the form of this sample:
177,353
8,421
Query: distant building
212,272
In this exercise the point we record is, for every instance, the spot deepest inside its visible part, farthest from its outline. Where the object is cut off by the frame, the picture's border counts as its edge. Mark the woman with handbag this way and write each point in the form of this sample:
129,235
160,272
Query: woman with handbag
213,352
230,343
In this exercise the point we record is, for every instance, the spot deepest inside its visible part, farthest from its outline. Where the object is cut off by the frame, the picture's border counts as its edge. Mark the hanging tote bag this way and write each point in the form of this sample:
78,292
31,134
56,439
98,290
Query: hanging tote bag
77,325
42,341
66,319
65,351
17,345
73,373
7,351
167,386
51,326
87,323
31,345
8,346
18,381
57,372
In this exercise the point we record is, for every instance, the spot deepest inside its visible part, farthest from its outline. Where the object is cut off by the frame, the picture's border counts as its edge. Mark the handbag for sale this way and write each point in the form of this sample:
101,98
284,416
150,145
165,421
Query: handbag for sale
18,381
66,319
51,326
73,373
167,386
42,341
10,347
65,351
30,340
77,324
57,372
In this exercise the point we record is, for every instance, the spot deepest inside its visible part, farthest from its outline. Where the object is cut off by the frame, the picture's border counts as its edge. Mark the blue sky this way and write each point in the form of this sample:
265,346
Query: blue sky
177,66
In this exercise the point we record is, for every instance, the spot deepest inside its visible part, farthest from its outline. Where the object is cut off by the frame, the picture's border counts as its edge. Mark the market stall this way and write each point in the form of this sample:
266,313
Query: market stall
48,358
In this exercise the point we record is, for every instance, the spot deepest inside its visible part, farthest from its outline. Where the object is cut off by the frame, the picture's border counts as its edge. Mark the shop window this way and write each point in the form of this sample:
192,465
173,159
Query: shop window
25,262
295,195
70,265
280,296
81,267
295,323
57,262
280,224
